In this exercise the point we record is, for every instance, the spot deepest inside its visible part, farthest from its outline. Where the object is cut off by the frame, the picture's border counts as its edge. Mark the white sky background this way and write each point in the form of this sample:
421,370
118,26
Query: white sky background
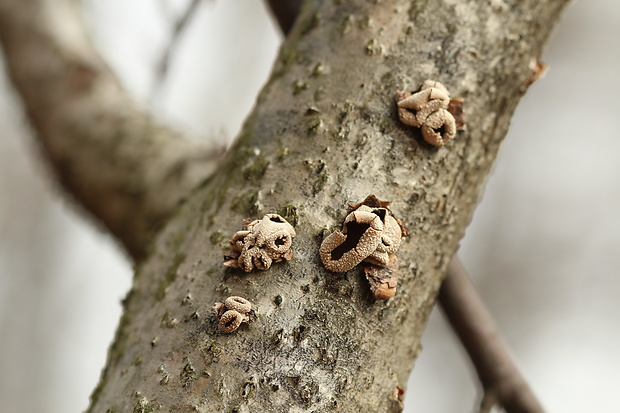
543,247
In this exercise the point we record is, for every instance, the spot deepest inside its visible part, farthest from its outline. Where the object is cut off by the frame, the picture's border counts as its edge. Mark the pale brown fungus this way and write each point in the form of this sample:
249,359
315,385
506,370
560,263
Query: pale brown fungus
238,304
427,109
232,312
370,233
230,321
370,236
390,242
343,250
262,243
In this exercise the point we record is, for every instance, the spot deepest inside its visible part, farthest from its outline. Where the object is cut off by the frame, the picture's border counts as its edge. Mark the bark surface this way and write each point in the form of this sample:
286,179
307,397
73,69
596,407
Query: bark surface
325,132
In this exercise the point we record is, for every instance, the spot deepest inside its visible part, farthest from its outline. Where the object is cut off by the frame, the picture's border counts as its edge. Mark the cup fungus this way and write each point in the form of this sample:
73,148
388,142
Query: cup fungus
427,109
343,250
370,236
238,304
262,243
232,312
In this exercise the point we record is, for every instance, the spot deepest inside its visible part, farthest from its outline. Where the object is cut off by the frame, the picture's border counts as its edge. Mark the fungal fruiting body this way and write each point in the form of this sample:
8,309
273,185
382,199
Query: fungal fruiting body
361,234
427,109
370,235
262,243
382,280
232,312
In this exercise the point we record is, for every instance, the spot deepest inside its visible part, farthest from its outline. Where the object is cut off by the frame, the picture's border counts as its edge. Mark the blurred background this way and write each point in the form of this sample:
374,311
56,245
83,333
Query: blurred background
543,247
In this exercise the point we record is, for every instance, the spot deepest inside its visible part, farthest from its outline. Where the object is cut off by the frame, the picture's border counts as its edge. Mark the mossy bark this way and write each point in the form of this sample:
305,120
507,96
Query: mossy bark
317,140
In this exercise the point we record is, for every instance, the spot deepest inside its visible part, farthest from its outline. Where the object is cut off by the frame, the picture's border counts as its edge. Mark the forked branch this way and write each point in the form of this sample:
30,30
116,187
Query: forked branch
127,170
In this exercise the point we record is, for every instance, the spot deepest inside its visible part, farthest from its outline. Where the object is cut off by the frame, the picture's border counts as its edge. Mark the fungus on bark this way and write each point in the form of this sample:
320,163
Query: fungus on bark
262,243
370,236
232,312
238,304
343,250
231,320
428,109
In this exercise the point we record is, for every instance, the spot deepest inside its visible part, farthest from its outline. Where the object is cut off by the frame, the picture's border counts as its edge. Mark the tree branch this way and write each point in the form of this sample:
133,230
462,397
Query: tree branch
325,132
502,382
125,169
285,12
473,324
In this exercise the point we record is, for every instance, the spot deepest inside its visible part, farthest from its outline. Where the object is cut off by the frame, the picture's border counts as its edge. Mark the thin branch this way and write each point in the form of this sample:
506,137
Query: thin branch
502,382
128,171
181,23
285,12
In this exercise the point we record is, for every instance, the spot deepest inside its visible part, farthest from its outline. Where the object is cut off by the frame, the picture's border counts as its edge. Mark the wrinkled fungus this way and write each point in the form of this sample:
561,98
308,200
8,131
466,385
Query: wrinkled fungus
370,236
427,109
230,321
262,243
232,312
238,304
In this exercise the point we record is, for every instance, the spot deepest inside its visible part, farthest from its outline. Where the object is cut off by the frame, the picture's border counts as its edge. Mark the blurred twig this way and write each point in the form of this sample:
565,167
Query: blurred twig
501,380
180,24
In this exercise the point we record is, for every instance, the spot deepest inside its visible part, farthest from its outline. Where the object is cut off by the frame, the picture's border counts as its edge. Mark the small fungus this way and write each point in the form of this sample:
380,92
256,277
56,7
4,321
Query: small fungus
261,243
230,321
232,312
427,109
370,236
343,250
238,304
382,280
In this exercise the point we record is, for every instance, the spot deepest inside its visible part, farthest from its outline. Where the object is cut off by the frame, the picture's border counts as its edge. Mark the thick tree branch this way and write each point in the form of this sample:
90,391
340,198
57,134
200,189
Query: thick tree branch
502,382
325,132
472,323
124,168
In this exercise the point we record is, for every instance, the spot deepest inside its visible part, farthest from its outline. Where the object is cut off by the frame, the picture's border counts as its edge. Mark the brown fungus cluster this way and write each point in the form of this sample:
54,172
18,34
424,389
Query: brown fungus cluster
232,312
261,243
370,235
428,109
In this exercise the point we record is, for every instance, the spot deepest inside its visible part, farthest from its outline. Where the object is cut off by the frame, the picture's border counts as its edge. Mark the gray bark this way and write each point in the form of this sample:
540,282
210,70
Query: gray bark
324,132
